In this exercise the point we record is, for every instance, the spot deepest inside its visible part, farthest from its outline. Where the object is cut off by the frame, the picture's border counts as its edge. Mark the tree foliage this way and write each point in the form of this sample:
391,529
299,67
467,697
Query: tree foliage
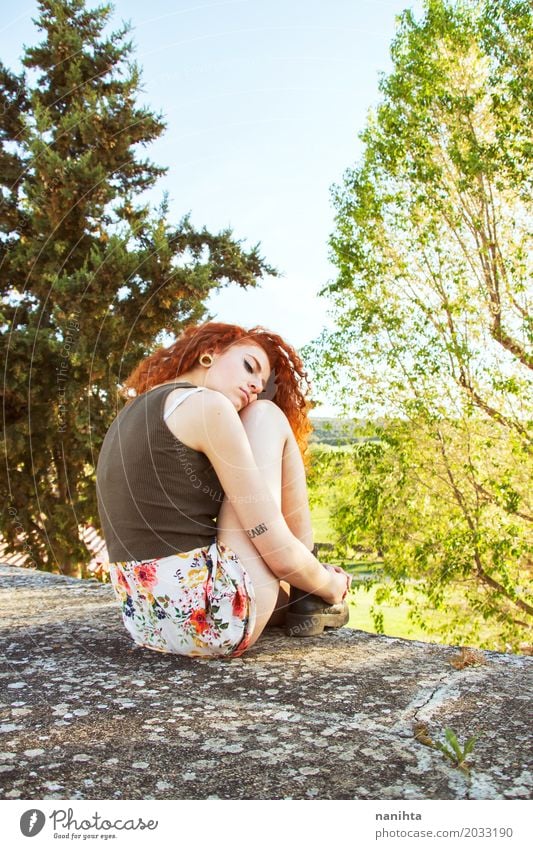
90,275
432,306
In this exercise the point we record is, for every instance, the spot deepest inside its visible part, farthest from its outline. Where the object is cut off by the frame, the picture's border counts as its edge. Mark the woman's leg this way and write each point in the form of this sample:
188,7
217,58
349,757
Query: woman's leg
295,509
269,433
294,498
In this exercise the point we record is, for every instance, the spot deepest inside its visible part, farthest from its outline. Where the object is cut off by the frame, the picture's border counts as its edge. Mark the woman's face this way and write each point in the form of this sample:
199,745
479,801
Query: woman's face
240,372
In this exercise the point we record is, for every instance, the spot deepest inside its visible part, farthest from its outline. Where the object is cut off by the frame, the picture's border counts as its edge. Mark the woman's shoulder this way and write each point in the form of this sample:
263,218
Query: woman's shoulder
210,396
197,419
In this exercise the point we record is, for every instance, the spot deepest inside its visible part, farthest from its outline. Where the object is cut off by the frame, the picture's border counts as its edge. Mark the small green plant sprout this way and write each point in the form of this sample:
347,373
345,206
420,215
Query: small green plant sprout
454,752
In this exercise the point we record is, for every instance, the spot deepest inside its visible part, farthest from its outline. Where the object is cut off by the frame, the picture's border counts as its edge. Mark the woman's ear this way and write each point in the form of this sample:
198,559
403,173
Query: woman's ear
270,389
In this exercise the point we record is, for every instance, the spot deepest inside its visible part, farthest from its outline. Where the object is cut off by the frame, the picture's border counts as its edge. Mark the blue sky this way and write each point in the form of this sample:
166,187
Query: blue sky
264,100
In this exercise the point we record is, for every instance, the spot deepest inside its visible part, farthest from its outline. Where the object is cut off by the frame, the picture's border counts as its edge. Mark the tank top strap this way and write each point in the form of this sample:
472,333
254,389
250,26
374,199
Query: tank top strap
181,398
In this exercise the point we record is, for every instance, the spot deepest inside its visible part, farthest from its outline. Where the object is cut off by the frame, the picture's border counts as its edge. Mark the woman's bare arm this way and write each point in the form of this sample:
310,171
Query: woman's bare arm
220,434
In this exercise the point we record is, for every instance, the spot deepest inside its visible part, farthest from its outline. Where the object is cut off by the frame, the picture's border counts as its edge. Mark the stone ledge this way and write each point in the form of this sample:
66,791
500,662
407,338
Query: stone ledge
88,715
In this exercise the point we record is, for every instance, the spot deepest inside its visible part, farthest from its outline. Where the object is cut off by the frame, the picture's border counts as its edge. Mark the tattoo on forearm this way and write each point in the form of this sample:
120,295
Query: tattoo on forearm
257,531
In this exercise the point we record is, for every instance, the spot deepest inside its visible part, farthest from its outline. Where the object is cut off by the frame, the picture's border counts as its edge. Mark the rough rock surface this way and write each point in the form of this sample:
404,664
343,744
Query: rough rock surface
88,715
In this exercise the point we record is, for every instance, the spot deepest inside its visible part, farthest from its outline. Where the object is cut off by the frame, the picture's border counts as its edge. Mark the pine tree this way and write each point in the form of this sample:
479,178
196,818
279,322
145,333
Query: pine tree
90,275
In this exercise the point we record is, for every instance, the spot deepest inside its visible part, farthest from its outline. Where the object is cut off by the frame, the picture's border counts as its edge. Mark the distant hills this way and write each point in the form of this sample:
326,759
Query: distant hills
334,431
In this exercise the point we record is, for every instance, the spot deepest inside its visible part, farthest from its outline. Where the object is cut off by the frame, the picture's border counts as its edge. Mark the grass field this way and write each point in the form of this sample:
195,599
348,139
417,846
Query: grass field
395,619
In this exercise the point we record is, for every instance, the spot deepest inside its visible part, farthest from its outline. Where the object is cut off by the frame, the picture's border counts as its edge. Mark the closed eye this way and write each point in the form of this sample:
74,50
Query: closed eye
250,369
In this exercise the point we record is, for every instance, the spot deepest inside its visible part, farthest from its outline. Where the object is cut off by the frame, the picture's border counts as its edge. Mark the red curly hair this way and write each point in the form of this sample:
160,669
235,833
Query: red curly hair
215,337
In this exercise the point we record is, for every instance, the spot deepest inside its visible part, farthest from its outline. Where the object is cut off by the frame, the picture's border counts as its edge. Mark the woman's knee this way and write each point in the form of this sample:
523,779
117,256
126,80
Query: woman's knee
263,413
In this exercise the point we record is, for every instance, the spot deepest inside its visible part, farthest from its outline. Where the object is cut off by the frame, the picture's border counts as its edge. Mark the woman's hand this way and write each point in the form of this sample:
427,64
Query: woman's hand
340,583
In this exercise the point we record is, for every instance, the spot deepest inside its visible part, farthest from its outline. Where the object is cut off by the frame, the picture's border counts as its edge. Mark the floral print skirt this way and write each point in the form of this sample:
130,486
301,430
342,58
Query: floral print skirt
200,603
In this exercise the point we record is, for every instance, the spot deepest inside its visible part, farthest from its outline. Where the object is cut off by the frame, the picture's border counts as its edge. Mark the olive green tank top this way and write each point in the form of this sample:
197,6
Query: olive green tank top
156,496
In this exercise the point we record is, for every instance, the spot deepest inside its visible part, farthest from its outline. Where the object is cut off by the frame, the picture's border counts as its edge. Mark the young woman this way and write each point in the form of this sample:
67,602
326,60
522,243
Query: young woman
202,495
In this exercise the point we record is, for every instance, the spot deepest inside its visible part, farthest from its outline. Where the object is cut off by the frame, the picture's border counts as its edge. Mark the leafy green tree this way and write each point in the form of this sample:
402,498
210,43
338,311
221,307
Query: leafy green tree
420,505
432,308
90,276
